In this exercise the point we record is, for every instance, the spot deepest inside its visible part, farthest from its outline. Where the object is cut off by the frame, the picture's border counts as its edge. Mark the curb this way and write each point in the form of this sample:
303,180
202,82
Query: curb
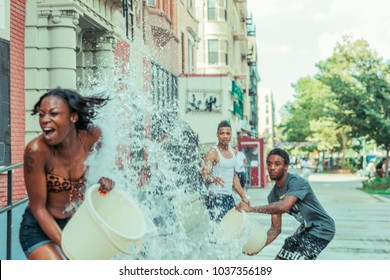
381,198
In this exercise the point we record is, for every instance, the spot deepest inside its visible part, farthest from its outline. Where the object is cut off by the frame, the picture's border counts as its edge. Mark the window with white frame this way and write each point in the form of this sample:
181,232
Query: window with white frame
222,10
224,51
217,10
212,10
213,51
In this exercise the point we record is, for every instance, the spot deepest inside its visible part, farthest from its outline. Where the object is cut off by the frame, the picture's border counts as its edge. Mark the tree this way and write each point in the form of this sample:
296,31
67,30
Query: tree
310,97
326,134
360,84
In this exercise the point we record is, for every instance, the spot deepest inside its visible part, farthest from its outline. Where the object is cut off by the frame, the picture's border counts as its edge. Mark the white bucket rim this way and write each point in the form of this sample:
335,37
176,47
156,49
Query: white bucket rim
101,221
234,211
244,218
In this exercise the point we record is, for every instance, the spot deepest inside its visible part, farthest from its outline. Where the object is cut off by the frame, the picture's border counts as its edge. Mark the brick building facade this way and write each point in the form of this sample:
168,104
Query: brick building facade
12,110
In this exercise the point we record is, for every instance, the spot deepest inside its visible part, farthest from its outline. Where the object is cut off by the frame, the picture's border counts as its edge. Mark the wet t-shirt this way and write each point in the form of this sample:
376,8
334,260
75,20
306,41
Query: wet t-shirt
307,210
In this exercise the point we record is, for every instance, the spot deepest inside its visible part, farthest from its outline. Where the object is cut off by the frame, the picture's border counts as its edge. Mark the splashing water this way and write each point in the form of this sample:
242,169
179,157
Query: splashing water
152,155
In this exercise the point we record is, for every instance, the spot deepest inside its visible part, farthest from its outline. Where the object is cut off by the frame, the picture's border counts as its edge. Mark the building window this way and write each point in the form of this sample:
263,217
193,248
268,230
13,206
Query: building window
217,10
224,51
190,57
152,3
183,49
131,20
223,10
5,114
213,51
189,5
218,51
212,10
164,87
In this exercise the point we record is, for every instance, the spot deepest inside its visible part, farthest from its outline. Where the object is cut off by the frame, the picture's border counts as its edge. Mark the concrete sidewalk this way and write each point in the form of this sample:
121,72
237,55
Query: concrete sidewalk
362,220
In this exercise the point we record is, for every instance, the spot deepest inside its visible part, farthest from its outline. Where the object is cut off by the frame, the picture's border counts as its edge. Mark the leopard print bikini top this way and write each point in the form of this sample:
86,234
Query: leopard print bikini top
58,184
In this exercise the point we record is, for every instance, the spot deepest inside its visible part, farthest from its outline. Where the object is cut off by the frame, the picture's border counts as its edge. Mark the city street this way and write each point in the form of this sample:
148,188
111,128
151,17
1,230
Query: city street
362,221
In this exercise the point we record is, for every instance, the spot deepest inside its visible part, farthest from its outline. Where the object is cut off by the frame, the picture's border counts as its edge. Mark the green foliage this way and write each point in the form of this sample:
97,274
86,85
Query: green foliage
359,82
348,98
310,95
326,133
381,185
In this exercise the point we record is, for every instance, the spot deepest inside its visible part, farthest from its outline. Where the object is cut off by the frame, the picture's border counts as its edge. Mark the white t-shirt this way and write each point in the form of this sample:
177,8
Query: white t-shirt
305,164
240,162
384,167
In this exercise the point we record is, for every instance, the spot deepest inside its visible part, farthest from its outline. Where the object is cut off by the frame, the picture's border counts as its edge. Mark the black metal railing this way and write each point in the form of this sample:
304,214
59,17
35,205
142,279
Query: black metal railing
8,208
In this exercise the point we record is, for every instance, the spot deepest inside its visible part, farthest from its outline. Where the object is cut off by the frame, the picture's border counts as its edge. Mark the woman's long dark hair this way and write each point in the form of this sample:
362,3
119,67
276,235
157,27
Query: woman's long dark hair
85,107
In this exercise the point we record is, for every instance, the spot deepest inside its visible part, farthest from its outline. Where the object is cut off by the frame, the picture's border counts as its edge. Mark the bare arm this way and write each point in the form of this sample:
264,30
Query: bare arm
35,180
278,207
210,159
238,188
275,229
207,167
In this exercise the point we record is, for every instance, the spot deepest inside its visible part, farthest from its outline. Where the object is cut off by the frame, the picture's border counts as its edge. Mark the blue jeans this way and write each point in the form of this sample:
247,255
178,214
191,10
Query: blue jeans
31,236
218,205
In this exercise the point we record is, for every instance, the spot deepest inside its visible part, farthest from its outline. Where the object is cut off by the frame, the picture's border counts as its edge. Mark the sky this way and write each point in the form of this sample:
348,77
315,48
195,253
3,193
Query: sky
292,36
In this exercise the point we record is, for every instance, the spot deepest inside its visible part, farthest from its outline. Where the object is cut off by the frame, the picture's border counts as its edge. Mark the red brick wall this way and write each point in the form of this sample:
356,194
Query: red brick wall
122,56
17,18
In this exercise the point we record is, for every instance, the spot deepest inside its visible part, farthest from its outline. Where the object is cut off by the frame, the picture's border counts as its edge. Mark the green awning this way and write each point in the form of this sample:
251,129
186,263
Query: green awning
237,91
238,109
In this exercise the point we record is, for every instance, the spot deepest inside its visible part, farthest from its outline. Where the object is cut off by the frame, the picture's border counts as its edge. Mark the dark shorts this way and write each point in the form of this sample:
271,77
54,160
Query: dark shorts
31,236
218,205
242,177
302,246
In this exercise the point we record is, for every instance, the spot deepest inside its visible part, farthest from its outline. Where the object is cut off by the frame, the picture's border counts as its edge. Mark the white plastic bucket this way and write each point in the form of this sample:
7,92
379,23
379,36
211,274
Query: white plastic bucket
104,226
236,224
191,211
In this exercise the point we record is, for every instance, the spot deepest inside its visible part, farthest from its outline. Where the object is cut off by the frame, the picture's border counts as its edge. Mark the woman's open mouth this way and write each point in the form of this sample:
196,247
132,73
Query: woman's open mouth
48,133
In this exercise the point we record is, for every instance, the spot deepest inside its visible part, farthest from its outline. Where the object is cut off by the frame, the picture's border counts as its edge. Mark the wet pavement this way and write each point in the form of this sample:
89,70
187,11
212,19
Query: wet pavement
362,220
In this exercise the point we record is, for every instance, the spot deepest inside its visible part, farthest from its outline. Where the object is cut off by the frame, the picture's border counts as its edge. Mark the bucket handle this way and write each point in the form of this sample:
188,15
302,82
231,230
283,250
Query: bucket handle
135,250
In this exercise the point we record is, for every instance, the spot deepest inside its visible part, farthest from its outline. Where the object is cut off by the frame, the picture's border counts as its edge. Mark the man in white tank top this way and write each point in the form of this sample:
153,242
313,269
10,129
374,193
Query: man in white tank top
220,175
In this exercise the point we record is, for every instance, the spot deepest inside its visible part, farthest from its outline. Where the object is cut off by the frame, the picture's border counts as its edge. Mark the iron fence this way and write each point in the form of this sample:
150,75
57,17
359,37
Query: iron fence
9,207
